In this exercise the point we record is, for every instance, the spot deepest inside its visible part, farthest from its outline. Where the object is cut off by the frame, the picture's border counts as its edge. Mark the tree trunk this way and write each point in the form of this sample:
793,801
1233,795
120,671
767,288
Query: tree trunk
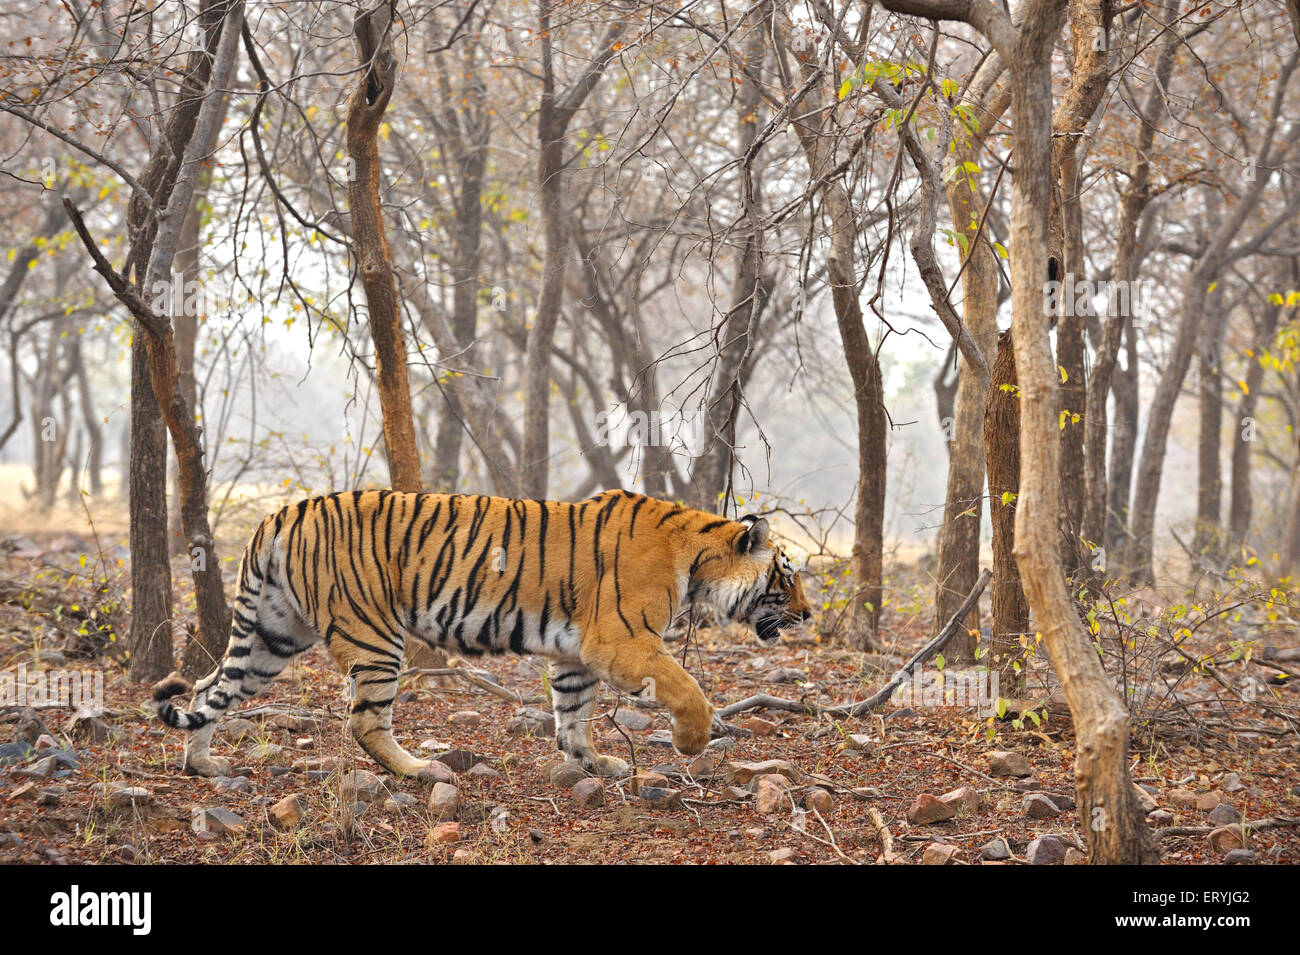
1244,428
555,113
1090,22
1124,273
186,323
1114,827
191,137
366,108
151,573
94,462
1290,556
470,154
49,434
1002,450
869,399
711,473
959,535
1209,474
864,369
1123,447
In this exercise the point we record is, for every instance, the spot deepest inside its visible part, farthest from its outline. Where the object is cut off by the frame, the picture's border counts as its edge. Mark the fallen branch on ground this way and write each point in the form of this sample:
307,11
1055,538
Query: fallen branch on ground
469,677
883,833
881,696
1255,825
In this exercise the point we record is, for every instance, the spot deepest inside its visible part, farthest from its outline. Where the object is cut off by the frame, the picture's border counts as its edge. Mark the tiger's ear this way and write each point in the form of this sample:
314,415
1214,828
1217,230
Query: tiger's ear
755,536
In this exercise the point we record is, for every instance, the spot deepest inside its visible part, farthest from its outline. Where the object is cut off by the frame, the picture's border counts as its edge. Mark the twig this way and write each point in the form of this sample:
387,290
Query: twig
469,677
883,833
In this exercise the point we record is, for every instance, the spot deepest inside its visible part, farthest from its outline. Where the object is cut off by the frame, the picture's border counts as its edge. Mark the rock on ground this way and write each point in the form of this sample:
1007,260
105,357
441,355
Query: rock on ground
1046,850
288,812
938,853
926,810
444,801
1003,763
589,793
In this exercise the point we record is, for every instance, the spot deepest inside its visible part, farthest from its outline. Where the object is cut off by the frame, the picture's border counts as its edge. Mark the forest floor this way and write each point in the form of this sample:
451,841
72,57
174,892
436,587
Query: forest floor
908,783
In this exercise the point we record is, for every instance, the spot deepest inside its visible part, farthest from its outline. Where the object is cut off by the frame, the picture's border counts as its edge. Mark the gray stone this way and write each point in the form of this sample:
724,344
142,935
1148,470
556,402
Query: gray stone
287,813
938,853
231,784
1231,783
659,798
740,773
567,773
459,760
216,821
1046,850
785,675
360,785
529,721
1039,806
927,810
86,727
963,798
995,851
1146,802
1002,763
444,801
128,797
1225,814
589,793
633,720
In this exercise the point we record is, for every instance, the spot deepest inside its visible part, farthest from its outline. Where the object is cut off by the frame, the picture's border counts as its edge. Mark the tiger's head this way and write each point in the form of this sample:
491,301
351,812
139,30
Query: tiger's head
774,600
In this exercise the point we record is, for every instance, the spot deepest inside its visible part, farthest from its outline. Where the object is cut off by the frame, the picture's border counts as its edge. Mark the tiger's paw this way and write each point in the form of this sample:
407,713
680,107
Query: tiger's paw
605,766
691,735
207,766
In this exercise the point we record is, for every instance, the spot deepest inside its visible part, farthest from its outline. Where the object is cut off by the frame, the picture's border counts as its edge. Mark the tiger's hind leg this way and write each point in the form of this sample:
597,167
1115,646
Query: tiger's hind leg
573,700
371,662
264,639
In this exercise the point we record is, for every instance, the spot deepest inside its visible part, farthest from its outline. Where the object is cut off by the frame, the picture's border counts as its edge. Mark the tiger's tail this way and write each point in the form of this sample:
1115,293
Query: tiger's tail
255,653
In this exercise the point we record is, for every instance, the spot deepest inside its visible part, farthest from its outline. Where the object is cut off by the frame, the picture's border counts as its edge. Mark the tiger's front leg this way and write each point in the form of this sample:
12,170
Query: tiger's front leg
641,664
573,700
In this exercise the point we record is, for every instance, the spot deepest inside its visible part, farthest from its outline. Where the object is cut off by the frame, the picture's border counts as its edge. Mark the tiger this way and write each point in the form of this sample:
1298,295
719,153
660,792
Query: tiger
592,586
